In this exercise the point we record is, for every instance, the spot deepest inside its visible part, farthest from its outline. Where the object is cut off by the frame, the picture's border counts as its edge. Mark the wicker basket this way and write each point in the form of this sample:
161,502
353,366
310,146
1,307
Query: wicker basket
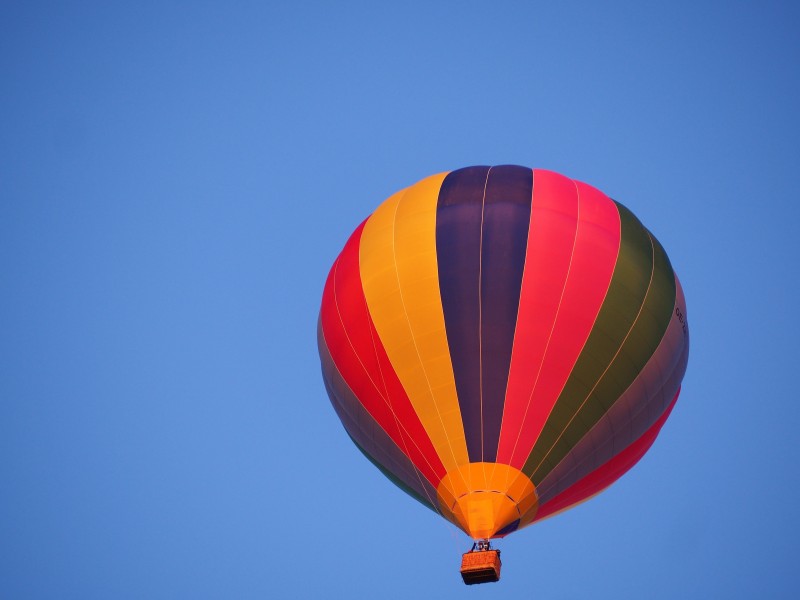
482,566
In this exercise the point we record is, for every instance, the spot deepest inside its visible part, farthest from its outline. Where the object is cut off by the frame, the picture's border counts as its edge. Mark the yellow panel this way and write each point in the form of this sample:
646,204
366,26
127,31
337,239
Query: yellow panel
399,273
483,498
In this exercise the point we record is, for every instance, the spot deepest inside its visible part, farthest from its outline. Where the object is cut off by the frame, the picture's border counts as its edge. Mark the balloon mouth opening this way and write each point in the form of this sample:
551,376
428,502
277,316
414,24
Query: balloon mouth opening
487,500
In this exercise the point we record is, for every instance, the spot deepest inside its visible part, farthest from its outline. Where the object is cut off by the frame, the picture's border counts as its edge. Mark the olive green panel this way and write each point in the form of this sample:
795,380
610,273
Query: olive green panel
631,323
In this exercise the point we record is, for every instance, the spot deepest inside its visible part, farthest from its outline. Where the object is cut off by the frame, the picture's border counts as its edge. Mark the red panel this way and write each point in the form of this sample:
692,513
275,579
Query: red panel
572,250
609,472
362,361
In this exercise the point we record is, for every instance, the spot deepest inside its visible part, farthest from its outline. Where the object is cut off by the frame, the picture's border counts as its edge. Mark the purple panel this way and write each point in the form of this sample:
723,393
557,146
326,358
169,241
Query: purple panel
481,240
367,433
459,215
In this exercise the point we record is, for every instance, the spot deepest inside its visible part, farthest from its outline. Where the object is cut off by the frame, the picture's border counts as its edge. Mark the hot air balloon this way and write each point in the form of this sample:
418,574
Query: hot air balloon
503,343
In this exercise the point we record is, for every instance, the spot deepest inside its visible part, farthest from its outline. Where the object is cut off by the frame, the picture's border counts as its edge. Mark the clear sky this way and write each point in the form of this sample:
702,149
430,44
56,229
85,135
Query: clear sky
176,178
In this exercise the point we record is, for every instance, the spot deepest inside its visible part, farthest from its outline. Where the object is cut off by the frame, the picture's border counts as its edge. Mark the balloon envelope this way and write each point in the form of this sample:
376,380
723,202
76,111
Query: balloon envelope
502,343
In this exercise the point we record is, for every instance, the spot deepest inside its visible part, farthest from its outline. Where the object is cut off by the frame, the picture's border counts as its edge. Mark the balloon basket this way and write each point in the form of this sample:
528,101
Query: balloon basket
481,564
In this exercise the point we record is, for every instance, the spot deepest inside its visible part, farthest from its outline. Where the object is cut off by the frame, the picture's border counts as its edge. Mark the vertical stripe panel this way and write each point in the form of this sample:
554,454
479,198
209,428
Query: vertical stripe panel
459,216
573,245
507,211
481,238
398,262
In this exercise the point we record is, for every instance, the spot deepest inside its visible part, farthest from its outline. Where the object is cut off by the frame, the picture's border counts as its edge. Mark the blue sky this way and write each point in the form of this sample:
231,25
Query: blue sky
176,179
